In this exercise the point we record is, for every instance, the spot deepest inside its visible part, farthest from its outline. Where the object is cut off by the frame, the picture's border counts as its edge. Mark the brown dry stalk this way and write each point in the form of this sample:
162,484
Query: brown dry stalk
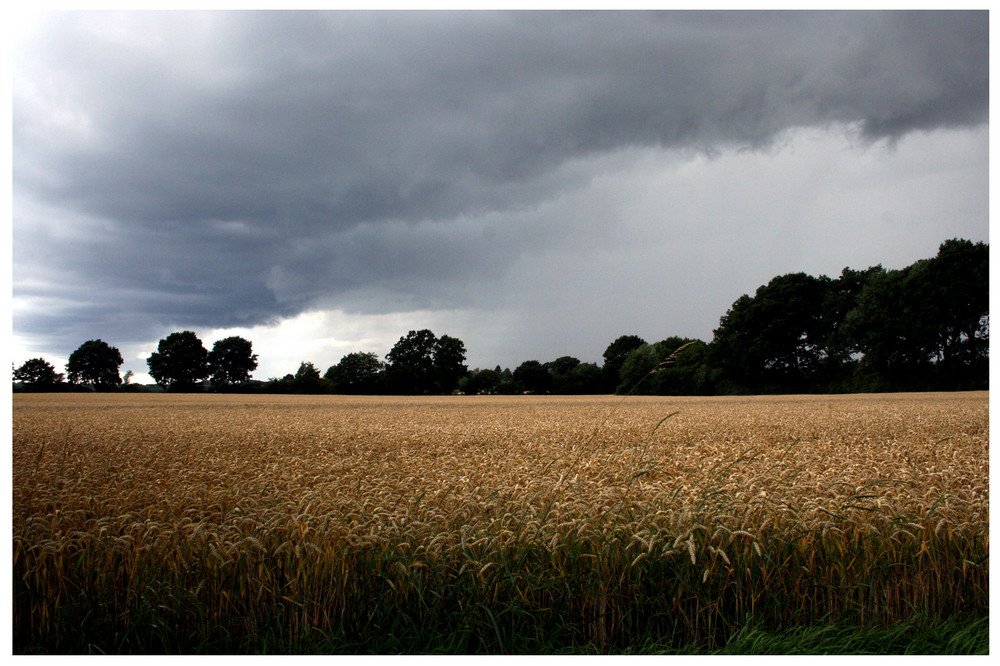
219,479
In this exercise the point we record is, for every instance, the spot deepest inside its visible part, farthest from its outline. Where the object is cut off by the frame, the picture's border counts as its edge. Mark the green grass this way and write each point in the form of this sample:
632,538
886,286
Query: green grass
528,601
917,636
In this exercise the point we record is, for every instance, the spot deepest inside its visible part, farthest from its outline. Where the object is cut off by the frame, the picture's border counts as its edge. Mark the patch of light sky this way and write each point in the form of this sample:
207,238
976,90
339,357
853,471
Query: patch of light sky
692,233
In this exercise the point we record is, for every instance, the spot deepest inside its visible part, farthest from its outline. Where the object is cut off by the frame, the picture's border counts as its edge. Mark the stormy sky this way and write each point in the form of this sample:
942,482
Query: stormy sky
534,183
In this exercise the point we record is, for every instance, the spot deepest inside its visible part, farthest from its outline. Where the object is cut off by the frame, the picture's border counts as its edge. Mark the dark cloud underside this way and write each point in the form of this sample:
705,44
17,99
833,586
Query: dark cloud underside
222,169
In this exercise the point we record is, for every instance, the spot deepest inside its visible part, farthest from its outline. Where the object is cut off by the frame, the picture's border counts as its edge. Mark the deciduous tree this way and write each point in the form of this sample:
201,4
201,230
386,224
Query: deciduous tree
927,325
357,373
411,363
614,359
179,362
231,361
95,362
533,377
38,374
449,363
421,363
777,337
307,379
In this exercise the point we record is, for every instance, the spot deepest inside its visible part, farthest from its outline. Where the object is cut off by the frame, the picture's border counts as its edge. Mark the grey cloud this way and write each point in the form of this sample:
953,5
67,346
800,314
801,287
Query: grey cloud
374,116
254,164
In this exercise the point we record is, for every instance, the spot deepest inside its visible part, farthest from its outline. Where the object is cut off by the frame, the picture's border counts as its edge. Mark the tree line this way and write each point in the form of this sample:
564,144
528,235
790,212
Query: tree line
923,327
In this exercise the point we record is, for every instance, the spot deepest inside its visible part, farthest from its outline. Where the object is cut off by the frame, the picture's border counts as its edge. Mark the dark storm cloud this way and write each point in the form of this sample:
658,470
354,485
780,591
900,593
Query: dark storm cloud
225,169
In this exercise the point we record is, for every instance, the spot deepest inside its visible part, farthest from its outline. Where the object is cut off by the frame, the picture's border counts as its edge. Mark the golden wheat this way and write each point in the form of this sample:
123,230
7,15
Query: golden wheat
271,494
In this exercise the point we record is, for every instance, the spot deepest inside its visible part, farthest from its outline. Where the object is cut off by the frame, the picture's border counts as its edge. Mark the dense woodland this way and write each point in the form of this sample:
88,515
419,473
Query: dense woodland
923,327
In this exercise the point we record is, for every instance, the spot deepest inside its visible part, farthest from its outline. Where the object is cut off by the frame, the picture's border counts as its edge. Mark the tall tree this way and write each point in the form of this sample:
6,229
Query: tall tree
955,294
689,370
842,297
776,338
480,381
420,363
881,326
583,379
560,370
533,376
674,366
449,363
179,362
95,362
927,325
411,363
635,370
614,359
231,361
357,373
37,374
307,379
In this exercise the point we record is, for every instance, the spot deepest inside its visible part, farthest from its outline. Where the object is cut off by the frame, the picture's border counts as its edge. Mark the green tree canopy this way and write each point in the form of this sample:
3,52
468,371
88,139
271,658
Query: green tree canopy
689,370
562,365
571,377
420,363
614,359
957,287
777,337
357,373
674,366
449,363
842,297
95,362
231,361
307,379
37,374
411,363
533,376
927,325
179,362
636,368
582,379
481,381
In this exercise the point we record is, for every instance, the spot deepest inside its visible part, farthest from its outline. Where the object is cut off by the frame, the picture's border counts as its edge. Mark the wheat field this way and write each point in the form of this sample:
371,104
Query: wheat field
208,523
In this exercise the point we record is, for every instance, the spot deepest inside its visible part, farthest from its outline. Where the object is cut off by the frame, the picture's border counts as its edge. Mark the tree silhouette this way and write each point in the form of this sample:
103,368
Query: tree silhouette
614,358
37,374
357,373
95,362
307,379
449,363
420,363
533,377
411,363
231,361
777,337
179,362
